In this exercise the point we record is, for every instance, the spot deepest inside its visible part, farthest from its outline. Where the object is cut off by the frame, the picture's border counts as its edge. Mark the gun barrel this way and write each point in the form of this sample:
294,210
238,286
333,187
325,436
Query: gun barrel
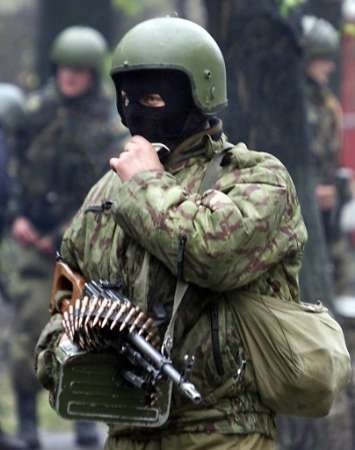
165,366
158,361
190,391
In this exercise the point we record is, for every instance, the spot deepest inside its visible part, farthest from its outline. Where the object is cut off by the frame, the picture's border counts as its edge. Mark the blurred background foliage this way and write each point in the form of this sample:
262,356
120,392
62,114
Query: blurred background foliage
28,27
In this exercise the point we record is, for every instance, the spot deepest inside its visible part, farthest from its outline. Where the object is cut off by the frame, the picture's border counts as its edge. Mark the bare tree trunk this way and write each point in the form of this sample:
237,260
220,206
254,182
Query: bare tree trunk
267,109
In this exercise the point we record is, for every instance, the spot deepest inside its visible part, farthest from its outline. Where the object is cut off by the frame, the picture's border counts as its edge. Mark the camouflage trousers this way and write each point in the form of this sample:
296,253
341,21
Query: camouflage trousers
29,277
193,441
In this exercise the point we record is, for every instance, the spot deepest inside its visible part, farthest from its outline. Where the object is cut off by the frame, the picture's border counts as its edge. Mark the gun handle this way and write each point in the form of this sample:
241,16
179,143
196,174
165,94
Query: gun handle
64,278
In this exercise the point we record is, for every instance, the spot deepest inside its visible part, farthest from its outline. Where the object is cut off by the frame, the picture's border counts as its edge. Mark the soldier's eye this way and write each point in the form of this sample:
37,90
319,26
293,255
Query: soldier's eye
152,100
125,99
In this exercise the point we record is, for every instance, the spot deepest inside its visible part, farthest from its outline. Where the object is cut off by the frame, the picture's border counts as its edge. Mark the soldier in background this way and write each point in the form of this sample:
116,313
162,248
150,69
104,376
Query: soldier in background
71,128
324,114
11,118
321,44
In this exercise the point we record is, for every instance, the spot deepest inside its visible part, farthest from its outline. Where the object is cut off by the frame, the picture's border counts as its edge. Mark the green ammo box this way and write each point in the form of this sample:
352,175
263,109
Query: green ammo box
90,387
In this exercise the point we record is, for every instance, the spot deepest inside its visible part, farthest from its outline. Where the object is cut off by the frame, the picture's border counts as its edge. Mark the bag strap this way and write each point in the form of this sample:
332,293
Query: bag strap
211,176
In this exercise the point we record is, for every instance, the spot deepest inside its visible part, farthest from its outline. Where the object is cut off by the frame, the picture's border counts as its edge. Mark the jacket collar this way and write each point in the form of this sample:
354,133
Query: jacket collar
206,143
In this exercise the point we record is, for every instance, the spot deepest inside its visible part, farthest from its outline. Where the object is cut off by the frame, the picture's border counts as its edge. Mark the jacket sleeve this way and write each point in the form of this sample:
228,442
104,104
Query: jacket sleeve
4,179
231,237
46,366
80,247
72,248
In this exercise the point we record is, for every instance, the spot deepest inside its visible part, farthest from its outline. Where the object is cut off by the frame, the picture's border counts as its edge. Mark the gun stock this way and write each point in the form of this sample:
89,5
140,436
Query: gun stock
65,279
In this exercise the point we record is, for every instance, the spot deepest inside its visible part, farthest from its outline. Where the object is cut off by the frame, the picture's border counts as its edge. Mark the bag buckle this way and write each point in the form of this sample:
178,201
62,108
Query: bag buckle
238,375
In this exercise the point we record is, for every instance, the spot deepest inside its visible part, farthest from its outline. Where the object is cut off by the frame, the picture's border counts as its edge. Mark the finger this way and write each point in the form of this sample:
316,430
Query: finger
139,139
27,236
32,235
129,146
133,147
113,163
116,163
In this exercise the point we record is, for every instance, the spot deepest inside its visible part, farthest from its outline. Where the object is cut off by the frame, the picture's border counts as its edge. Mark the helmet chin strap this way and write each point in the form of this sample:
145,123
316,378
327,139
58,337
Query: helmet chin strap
162,150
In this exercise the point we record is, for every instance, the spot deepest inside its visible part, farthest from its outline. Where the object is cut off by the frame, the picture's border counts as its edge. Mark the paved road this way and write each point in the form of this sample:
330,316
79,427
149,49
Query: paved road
65,441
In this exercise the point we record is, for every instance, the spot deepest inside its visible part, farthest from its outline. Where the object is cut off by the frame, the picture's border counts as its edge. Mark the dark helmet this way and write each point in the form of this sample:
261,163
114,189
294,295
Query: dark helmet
179,44
12,103
80,46
320,38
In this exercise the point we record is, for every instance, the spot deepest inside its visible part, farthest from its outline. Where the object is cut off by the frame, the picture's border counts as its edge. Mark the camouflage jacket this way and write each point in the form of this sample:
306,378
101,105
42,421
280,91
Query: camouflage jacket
68,145
244,234
324,118
4,179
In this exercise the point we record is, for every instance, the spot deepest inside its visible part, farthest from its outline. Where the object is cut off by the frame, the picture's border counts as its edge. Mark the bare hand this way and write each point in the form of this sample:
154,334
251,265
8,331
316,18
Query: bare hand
326,196
45,245
138,156
24,232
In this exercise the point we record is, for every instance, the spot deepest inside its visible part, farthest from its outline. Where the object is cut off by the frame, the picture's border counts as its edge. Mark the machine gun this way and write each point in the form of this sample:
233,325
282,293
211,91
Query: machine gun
99,319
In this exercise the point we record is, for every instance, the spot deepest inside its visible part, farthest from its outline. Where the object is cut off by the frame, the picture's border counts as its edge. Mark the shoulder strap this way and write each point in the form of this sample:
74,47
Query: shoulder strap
209,179
213,169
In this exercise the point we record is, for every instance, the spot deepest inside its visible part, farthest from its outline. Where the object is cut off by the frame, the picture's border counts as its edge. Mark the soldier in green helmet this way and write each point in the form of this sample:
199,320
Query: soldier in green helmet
222,220
324,114
11,118
11,107
321,43
71,130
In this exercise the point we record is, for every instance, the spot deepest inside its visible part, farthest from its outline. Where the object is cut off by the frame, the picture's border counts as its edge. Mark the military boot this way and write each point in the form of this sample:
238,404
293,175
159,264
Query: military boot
8,442
27,419
86,434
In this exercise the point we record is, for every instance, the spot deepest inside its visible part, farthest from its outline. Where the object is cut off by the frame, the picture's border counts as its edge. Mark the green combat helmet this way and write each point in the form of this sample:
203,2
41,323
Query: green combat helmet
320,38
11,106
174,43
80,46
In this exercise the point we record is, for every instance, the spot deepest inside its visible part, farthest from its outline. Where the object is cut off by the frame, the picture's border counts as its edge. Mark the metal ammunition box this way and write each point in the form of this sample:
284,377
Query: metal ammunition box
90,387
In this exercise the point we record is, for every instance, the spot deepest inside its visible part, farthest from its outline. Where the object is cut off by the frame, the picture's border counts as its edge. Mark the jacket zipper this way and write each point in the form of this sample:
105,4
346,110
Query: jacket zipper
216,346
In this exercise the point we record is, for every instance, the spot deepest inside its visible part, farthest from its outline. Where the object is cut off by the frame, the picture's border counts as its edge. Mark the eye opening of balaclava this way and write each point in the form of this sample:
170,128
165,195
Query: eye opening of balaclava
171,123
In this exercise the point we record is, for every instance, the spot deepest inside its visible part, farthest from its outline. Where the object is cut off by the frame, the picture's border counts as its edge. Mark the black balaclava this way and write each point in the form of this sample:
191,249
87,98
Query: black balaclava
169,124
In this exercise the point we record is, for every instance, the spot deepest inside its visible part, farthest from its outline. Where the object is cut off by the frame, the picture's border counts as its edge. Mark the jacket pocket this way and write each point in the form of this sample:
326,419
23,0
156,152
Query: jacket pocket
217,351
103,240
231,348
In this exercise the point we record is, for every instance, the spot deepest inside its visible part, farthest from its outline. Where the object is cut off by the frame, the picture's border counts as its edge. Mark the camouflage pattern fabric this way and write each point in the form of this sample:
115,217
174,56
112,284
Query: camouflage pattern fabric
68,146
69,143
4,182
193,441
324,117
246,233
325,120
29,294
